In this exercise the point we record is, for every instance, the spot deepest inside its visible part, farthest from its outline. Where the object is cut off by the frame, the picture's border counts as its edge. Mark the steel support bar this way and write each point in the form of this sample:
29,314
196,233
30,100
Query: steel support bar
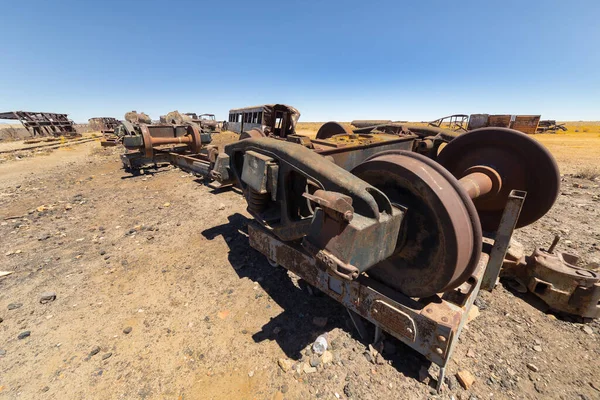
430,327
511,213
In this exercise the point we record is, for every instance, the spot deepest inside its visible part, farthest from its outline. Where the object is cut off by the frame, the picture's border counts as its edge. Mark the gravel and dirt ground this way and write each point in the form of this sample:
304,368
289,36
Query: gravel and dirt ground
159,296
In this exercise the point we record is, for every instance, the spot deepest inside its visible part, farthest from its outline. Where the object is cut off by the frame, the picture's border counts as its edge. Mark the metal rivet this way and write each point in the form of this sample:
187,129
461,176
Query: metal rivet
442,338
445,319
438,350
429,310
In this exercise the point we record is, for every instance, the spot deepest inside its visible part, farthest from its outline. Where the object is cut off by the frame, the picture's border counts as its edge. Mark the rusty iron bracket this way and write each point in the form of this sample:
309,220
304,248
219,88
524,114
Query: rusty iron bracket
555,278
511,213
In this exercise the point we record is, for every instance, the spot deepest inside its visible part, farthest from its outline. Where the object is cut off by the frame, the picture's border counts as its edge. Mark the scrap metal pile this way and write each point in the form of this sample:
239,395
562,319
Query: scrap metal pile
106,125
43,123
401,233
529,124
204,121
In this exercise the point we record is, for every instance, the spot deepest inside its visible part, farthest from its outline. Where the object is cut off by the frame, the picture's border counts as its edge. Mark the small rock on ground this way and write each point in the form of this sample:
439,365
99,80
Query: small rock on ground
587,329
532,367
465,378
285,364
14,306
327,357
94,351
24,335
47,297
127,330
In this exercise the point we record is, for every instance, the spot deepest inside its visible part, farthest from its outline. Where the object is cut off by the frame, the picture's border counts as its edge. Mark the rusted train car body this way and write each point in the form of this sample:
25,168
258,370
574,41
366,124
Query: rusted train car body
273,119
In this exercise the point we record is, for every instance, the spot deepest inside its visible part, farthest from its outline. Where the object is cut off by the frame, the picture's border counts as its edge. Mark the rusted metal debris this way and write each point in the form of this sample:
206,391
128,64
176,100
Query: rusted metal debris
380,222
462,123
160,143
106,125
555,278
523,123
273,120
138,118
456,122
43,123
365,123
400,217
550,125
205,122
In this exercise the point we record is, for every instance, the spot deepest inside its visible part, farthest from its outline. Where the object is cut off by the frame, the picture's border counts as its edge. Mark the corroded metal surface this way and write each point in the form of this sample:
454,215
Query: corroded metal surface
364,123
521,164
432,327
526,123
277,120
502,238
105,125
555,278
456,122
331,128
439,244
43,123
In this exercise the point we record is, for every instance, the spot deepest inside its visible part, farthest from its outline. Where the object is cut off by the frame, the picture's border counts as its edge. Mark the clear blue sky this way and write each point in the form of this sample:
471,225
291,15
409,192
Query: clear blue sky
337,60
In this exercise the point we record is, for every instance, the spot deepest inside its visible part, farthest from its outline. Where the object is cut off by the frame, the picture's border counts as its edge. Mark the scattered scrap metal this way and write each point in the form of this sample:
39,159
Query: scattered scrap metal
206,122
106,125
555,278
463,122
401,233
550,125
394,235
456,122
43,123
138,117
276,120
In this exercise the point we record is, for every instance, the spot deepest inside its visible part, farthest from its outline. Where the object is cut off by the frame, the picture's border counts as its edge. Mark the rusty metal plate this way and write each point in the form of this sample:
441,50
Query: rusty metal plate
394,319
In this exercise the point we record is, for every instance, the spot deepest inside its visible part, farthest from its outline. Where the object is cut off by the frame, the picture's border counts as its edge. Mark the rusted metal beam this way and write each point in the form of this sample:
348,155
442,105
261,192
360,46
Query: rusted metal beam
509,219
431,327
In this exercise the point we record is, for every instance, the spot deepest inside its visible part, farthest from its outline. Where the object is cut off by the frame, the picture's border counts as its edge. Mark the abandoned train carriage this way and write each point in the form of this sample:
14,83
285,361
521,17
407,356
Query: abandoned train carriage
273,119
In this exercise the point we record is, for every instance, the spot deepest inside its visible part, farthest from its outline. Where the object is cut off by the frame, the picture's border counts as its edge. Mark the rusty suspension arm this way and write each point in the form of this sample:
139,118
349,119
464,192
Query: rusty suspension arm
349,214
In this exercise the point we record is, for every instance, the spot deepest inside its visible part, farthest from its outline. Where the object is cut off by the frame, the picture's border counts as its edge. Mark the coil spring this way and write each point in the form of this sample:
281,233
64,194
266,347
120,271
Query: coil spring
257,202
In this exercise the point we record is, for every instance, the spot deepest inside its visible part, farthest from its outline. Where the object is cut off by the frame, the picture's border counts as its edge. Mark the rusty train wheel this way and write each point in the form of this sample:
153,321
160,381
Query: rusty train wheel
196,144
522,164
147,138
439,243
330,129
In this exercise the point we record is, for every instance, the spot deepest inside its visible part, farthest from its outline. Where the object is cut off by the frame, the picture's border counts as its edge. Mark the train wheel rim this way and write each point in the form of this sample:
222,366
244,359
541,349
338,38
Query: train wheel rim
439,244
522,163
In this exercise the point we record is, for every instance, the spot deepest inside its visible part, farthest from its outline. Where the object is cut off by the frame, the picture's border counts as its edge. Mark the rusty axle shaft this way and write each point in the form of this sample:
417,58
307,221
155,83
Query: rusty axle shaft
481,181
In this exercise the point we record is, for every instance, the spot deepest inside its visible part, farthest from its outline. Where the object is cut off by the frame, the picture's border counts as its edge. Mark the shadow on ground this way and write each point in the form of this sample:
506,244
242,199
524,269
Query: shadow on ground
294,326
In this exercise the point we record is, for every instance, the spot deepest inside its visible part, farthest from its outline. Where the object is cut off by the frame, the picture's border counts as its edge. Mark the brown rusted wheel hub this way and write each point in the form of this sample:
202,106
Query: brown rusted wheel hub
196,144
512,161
440,240
330,129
